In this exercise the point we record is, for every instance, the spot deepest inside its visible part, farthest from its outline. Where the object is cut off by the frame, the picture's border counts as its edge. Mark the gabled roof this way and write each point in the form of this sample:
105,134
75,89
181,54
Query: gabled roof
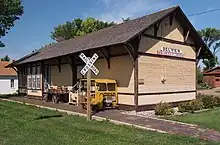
215,70
6,71
117,34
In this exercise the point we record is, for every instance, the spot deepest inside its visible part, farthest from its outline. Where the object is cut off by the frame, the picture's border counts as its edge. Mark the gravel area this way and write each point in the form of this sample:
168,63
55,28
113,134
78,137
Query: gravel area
147,114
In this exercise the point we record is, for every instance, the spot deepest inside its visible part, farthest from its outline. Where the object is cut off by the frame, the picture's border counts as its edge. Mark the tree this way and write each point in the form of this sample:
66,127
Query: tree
211,37
78,27
199,75
6,58
125,19
10,10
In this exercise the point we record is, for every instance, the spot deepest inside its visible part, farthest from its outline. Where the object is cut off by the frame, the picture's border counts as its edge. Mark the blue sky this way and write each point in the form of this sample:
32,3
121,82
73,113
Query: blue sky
40,17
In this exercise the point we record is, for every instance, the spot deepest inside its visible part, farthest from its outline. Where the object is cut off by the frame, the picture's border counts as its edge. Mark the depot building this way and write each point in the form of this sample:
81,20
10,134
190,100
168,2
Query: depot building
152,58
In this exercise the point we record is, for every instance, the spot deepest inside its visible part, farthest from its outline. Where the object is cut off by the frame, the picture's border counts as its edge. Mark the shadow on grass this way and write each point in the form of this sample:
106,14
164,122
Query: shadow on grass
48,116
7,96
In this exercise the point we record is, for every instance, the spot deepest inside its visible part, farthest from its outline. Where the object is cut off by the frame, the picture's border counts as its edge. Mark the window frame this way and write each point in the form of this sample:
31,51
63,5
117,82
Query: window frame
34,77
12,83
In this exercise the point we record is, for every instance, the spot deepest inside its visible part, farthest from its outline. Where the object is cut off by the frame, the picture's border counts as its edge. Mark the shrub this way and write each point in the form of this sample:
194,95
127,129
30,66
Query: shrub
209,101
217,101
191,106
203,86
195,105
183,107
163,108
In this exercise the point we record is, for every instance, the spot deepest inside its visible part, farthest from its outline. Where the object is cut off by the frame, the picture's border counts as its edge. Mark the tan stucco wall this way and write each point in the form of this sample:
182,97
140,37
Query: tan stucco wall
126,99
154,99
180,75
173,32
121,70
63,78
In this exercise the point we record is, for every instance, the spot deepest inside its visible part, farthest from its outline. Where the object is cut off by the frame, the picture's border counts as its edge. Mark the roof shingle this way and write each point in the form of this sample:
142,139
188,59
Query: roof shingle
109,36
6,71
117,34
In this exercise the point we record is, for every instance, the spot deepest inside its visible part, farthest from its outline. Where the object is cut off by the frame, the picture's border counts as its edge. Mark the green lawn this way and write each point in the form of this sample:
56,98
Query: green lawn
207,119
26,125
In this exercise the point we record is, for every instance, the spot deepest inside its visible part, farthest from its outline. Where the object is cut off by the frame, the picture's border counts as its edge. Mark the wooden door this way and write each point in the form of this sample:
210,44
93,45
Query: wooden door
217,81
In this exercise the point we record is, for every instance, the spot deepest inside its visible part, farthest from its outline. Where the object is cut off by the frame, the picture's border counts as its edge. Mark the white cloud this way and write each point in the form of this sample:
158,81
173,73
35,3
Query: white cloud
115,10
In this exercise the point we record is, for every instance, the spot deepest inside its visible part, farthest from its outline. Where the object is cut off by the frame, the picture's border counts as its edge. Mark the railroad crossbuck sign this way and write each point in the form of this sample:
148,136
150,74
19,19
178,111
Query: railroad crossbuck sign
89,64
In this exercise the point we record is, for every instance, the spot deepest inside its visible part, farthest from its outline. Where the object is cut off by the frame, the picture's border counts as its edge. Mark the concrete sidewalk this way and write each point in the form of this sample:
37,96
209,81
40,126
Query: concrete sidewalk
115,116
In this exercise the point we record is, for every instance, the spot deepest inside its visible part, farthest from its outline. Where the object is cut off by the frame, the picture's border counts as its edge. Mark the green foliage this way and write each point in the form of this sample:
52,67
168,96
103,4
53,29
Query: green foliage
6,58
10,10
183,107
163,108
195,105
191,106
210,63
199,75
204,119
125,19
27,125
203,86
211,37
217,101
78,27
208,101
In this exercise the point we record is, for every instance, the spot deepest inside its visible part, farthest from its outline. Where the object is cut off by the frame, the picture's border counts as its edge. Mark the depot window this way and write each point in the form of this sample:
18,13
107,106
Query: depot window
33,78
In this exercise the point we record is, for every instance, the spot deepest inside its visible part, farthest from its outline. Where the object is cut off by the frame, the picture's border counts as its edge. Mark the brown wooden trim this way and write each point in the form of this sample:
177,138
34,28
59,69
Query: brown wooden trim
120,93
126,107
34,89
164,93
42,76
33,97
74,70
169,40
22,87
159,93
166,56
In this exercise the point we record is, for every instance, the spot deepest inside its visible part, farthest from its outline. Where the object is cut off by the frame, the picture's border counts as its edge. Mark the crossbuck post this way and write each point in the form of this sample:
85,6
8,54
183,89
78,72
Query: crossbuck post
88,95
87,69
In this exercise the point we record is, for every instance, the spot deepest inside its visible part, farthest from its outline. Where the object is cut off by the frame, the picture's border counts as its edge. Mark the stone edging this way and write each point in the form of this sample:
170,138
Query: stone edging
84,115
172,121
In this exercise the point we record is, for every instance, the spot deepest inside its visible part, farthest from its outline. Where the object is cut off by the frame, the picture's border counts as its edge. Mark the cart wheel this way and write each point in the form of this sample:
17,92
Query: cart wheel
45,97
55,99
84,106
95,108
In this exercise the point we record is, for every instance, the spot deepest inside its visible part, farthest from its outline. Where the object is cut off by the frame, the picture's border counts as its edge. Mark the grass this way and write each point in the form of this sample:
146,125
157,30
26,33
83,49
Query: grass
207,119
27,125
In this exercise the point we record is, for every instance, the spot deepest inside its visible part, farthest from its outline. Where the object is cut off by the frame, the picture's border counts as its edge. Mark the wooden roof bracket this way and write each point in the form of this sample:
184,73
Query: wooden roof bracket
171,18
156,27
197,55
186,34
106,54
130,50
15,69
